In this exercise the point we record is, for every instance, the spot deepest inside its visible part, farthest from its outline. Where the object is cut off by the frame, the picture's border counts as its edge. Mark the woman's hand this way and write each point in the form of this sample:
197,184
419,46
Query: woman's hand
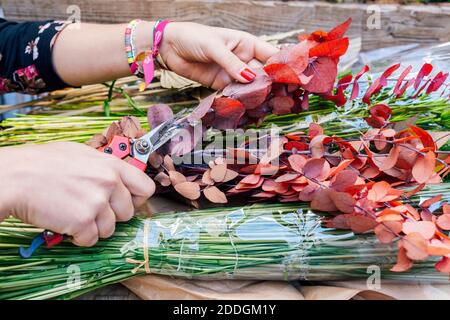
70,188
212,56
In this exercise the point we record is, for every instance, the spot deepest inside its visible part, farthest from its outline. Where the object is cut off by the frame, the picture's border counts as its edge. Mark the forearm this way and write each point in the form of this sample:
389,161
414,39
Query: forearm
8,175
92,53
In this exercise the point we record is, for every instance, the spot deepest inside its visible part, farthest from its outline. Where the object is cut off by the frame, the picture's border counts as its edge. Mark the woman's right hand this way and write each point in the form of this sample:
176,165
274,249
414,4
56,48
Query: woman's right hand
70,188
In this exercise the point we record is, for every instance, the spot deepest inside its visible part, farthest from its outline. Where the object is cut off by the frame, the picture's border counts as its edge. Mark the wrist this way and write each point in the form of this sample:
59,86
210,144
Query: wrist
144,36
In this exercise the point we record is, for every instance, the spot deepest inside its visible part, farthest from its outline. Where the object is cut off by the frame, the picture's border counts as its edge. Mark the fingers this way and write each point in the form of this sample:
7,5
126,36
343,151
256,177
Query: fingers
136,181
234,66
263,49
87,236
121,203
106,223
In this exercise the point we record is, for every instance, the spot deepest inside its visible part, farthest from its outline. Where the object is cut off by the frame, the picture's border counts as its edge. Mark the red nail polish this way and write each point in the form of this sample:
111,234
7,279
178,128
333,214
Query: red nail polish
248,74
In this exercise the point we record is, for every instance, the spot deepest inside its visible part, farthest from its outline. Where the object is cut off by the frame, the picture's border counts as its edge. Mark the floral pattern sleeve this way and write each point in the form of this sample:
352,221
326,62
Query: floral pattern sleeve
26,56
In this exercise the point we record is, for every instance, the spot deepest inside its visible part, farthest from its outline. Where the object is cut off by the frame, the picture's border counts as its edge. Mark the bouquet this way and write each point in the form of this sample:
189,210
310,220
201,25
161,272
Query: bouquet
364,189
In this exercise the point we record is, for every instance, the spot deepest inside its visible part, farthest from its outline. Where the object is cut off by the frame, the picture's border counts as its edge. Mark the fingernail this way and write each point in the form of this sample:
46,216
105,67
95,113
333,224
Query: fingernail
248,74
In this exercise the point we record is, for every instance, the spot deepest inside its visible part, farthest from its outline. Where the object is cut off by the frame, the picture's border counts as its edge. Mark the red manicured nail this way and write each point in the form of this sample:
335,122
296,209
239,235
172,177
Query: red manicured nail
248,74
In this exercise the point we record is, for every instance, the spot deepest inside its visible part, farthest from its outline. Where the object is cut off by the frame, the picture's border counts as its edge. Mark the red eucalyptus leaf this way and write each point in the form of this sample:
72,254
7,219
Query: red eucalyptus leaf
130,126
426,139
446,208
390,160
97,141
158,114
399,83
176,177
361,224
339,31
341,166
416,246
214,195
251,179
381,110
425,228
252,94
423,72
200,111
314,130
281,105
343,201
443,265
437,82
297,162
228,113
403,262
265,195
315,167
316,146
355,89
267,169
443,221
282,73
287,177
402,90
333,49
206,178
322,201
189,190
340,99
307,194
295,56
386,232
323,71
219,172
379,83
163,179
424,167
429,202
112,130
344,179
297,145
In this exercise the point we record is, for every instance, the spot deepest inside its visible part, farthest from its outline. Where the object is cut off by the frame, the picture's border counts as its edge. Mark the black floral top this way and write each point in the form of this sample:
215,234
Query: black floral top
26,56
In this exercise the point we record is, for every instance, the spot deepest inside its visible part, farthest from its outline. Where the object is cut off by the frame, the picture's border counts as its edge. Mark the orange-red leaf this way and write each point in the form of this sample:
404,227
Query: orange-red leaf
386,232
403,262
416,246
297,162
214,195
322,201
189,190
361,224
443,221
424,167
426,228
282,73
443,265
343,201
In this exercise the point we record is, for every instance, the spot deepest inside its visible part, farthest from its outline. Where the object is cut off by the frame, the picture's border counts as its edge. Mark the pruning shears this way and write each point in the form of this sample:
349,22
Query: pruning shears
135,151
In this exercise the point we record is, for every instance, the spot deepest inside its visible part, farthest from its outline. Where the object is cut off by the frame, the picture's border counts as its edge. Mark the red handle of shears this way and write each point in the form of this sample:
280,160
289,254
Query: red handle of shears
121,148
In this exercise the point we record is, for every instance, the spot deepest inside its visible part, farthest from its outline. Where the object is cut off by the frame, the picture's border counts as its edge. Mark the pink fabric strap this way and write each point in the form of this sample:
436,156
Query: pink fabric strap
148,65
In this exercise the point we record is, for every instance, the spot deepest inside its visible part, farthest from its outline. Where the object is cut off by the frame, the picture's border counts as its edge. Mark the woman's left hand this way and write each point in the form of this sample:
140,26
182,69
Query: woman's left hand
212,56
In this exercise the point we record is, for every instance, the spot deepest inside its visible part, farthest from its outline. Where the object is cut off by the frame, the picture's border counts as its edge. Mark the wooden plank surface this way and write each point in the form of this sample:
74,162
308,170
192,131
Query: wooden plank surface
399,24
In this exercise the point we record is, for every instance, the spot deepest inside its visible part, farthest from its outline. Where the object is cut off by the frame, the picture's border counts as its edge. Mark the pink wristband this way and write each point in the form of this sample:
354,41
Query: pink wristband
148,65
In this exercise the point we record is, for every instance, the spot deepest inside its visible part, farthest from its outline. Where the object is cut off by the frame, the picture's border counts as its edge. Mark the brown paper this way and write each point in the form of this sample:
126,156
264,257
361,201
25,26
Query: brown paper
155,287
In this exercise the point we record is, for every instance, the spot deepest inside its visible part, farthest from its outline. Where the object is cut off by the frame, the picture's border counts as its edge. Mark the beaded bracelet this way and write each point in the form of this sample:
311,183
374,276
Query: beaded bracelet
129,47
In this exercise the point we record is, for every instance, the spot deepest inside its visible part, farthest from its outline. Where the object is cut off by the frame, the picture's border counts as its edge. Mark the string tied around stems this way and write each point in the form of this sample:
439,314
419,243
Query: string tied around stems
146,262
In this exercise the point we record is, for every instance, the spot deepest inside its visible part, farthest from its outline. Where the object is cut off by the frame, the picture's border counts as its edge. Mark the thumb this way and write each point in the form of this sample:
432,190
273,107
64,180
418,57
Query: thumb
234,66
